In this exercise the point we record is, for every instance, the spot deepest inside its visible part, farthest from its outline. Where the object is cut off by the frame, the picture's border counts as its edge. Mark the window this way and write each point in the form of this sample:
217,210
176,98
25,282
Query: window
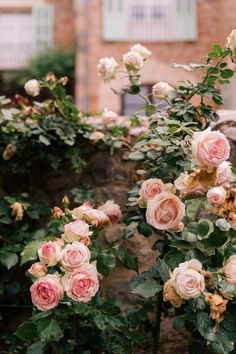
24,34
133,103
149,20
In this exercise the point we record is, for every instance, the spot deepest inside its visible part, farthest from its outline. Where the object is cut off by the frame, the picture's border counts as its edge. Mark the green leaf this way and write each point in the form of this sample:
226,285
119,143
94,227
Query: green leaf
136,156
147,288
129,260
30,252
204,228
227,73
44,140
174,258
27,331
150,109
222,344
36,348
105,263
144,229
162,269
9,260
49,330
181,244
179,322
205,326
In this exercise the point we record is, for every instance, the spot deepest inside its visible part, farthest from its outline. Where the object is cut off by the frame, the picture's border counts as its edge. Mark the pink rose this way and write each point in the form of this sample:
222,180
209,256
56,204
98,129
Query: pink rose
109,118
150,188
187,279
230,269
112,210
91,215
49,253
107,68
46,292
210,149
216,195
82,285
74,256
187,186
38,270
223,173
165,211
57,212
76,230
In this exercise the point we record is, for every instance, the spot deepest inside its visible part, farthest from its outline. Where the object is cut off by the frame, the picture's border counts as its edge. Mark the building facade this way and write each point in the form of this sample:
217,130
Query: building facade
179,31
30,26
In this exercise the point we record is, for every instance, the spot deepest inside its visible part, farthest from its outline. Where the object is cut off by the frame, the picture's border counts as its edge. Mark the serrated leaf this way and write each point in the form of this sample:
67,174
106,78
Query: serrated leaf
49,330
105,263
147,288
162,269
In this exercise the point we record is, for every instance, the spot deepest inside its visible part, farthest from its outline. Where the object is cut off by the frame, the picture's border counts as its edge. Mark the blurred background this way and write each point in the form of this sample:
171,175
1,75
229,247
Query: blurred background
68,37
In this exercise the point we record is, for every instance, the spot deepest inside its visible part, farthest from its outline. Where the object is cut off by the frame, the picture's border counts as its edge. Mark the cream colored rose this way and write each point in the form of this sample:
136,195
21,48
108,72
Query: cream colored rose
223,173
32,87
37,270
162,90
74,256
165,211
187,279
210,149
75,230
150,188
96,136
109,118
49,253
141,50
230,269
91,215
231,44
107,68
133,61
216,195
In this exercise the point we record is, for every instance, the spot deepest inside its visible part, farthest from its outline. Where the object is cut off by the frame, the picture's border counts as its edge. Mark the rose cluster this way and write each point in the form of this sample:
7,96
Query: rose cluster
189,280
64,266
165,211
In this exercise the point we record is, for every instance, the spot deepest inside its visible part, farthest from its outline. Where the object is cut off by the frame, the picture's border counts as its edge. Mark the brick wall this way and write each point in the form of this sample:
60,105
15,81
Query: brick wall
215,19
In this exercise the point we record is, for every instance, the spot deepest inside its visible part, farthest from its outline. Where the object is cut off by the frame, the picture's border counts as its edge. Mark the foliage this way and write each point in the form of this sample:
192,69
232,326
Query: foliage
97,326
43,133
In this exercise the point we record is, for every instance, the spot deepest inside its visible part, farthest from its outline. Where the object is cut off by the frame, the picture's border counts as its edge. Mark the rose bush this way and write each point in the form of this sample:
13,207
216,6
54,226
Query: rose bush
192,207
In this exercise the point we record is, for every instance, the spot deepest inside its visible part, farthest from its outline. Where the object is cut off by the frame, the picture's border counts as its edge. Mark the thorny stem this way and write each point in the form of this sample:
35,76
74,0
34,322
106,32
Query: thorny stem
145,98
157,327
